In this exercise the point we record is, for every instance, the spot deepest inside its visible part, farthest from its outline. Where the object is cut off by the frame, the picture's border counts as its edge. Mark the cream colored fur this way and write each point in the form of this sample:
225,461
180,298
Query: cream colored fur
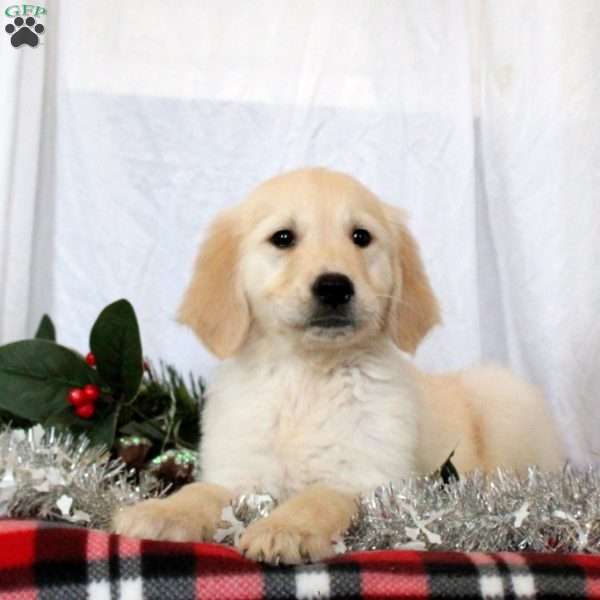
313,415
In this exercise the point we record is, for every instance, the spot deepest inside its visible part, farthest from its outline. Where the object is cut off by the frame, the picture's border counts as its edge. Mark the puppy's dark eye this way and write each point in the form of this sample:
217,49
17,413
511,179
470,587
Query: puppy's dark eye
283,238
361,237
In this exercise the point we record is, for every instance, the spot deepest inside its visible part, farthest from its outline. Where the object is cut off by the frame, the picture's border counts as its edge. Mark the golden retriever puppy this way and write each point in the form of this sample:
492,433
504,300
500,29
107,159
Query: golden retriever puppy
312,290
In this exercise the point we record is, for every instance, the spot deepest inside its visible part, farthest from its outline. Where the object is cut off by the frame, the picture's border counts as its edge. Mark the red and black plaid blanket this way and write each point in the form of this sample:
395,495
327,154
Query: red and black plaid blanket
49,561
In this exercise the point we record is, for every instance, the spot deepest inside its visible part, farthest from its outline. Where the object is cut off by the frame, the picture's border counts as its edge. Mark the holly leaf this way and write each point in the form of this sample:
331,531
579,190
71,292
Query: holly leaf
116,345
14,422
100,429
46,330
103,429
36,375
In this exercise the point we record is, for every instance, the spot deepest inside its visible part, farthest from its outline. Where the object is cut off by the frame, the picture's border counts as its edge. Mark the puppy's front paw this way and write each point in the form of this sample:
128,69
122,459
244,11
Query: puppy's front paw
274,541
161,520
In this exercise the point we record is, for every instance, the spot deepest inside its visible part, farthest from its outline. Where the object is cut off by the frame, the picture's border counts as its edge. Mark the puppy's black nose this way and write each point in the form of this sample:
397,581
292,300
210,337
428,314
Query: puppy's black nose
333,289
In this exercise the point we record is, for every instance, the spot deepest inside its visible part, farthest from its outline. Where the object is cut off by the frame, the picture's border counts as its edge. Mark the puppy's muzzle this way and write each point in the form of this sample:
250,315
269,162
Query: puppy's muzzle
333,292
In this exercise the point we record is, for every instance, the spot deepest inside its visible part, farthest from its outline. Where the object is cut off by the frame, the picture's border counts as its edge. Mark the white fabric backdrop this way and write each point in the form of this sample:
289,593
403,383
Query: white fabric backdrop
481,119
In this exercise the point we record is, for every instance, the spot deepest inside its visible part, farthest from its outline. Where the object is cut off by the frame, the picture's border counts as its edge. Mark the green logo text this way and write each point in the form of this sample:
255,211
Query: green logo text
23,10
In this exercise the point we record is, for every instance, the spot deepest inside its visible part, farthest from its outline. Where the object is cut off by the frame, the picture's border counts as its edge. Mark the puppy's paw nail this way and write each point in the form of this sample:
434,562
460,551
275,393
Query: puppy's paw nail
304,554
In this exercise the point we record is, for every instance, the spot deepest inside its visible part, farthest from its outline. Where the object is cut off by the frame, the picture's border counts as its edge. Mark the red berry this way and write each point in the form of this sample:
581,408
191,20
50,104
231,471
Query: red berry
90,359
76,397
85,411
91,392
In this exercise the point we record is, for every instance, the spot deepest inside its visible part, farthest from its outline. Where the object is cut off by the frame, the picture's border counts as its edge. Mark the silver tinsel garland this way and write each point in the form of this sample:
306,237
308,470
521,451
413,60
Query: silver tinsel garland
538,511
49,475
44,474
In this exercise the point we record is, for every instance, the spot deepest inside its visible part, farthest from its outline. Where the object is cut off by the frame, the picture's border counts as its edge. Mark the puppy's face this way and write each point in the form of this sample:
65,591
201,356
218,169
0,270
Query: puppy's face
312,255
316,259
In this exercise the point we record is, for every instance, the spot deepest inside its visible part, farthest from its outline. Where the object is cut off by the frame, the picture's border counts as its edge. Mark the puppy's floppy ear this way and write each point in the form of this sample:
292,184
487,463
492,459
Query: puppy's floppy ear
214,305
414,309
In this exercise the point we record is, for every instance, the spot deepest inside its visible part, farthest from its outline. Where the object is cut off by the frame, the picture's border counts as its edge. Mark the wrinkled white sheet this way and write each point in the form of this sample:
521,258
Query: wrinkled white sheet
481,119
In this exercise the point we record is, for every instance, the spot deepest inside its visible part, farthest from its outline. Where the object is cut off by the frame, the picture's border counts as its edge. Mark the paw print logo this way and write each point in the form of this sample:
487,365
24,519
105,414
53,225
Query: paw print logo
24,32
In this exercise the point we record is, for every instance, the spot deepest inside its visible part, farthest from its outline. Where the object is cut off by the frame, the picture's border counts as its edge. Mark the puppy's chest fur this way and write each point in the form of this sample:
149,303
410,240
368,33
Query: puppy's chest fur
285,424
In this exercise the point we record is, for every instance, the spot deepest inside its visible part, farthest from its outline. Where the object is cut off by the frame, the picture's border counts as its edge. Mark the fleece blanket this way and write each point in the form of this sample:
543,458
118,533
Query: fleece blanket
50,561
